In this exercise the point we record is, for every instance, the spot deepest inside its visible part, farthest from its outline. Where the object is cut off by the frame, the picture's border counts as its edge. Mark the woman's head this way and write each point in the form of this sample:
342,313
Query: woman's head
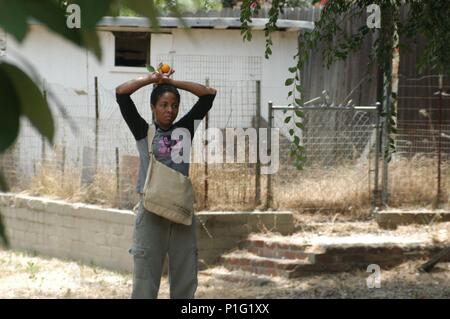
165,101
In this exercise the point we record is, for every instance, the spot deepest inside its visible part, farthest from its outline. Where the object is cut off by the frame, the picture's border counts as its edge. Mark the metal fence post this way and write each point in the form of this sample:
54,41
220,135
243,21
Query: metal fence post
205,199
96,122
439,189
43,155
117,174
258,164
269,151
376,191
385,144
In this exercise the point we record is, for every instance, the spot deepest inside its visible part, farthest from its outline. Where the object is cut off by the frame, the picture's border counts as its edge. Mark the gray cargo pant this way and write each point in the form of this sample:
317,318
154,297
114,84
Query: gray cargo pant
155,237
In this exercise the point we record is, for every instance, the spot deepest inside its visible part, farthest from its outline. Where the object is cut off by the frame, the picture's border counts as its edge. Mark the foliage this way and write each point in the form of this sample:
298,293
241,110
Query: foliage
428,18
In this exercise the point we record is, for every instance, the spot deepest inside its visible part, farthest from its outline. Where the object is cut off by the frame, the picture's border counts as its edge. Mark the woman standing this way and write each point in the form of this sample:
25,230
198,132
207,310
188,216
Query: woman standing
155,236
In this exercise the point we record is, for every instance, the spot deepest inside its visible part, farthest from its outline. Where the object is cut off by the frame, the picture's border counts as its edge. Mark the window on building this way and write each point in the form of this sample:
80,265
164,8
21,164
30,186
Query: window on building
132,49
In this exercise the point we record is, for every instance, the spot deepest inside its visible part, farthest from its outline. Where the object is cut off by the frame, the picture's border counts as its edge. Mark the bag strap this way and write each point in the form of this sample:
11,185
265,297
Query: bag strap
150,136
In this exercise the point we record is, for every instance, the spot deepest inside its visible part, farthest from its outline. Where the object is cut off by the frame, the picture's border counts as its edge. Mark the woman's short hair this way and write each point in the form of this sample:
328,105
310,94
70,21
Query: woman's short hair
159,90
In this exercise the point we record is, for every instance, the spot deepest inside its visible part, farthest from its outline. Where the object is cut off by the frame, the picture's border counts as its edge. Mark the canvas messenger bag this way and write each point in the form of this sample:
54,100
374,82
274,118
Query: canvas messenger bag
167,192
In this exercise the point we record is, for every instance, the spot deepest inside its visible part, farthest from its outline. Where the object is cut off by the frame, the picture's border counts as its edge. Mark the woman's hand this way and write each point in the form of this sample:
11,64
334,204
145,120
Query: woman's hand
161,78
156,78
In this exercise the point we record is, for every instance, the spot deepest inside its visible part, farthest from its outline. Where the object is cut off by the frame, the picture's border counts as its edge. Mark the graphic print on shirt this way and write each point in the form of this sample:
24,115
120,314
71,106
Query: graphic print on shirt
166,145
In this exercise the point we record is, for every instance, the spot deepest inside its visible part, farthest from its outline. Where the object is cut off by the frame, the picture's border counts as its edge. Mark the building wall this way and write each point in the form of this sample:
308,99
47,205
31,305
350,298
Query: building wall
59,61
69,74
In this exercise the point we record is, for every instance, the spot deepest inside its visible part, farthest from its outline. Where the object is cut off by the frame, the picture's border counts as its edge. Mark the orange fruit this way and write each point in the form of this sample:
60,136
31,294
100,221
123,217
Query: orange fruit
165,68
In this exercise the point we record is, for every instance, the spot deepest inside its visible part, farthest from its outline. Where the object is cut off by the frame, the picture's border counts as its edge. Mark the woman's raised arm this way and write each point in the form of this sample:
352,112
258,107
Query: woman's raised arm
132,86
193,87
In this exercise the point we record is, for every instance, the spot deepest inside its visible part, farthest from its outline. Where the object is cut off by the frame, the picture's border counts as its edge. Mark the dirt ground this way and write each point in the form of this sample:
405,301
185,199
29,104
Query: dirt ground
26,276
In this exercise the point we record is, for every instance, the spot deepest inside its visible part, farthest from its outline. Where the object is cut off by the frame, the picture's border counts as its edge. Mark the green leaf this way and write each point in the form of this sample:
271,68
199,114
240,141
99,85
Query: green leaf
31,101
298,88
287,119
293,69
299,113
298,101
299,125
291,131
150,68
54,17
13,18
288,82
290,93
9,119
296,140
147,9
93,11
92,42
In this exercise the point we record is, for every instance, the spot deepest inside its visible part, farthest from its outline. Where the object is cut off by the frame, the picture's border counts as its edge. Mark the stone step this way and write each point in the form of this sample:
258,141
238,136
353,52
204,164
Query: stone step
246,261
279,249
292,257
391,219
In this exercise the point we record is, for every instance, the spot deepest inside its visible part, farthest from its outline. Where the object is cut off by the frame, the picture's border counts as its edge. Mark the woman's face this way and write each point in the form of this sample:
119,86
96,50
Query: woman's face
166,109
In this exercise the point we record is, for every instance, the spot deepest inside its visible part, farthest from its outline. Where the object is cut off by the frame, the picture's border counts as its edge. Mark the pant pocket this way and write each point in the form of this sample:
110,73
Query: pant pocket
141,262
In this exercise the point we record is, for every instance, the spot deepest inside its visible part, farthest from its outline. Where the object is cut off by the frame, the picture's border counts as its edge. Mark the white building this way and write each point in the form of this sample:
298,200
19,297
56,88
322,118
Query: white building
213,48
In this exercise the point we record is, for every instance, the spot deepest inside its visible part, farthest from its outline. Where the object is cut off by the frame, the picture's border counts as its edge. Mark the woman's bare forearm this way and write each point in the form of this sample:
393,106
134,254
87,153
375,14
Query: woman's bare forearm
195,88
132,86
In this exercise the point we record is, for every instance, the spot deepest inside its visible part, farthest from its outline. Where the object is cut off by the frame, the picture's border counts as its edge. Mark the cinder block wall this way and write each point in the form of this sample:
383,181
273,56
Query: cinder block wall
103,236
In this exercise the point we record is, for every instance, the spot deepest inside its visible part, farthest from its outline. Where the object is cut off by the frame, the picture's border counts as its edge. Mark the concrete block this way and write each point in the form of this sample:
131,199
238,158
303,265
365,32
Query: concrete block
7,211
34,203
67,221
69,233
116,229
92,225
125,217
236,232
119,242
52,219
54,206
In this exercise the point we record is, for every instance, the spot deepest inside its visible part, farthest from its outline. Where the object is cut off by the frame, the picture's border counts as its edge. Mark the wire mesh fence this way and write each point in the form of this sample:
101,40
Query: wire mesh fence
339,171
95,159
419,172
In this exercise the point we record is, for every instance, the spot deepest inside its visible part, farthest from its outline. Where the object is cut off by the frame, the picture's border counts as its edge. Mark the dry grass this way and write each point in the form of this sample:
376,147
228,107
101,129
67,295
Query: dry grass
339,189
413,181
343,189
52,183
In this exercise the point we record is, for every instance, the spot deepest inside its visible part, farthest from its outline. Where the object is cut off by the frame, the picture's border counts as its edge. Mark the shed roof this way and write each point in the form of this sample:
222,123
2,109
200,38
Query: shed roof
116,23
